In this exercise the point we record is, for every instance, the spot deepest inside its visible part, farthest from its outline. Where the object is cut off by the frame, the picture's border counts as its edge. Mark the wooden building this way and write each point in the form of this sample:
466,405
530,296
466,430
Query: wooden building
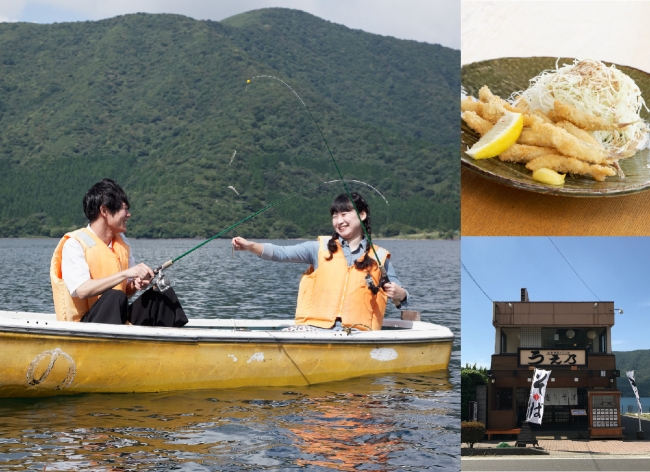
574,341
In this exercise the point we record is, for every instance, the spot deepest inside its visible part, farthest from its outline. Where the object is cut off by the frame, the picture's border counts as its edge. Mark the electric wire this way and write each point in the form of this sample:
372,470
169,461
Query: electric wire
574,271
474,280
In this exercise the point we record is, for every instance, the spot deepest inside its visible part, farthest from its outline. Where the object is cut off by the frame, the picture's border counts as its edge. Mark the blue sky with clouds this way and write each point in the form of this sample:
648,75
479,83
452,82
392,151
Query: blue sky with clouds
431,21
615,269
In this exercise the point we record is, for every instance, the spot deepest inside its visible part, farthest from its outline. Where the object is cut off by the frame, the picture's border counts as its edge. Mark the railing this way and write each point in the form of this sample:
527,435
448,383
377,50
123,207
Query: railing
633,409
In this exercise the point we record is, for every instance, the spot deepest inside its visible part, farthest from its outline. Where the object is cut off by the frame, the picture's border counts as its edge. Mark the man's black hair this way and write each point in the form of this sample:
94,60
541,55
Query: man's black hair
106,193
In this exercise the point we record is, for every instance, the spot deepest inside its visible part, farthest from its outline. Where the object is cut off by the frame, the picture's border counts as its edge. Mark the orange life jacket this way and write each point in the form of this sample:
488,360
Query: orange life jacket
102,262
335,290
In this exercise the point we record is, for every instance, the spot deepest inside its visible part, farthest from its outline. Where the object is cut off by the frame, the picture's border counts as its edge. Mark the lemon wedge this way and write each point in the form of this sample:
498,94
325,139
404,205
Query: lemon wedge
548,176
503,134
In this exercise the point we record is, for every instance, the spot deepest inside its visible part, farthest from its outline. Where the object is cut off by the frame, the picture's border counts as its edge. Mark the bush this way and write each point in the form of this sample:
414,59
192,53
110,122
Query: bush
471,432
470,377
504,444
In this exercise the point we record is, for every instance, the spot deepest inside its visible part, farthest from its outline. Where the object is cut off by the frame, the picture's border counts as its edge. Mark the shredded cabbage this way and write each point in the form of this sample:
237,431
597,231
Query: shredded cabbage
592,87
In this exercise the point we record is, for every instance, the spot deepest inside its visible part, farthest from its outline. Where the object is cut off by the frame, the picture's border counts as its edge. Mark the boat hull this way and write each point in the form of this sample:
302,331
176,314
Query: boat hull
58,358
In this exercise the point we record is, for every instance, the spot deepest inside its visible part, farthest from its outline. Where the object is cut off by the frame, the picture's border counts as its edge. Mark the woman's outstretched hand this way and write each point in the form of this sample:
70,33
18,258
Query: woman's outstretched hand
241,244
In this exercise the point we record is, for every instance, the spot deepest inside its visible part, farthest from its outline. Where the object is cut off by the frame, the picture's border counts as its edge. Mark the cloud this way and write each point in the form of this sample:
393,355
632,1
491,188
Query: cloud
10,11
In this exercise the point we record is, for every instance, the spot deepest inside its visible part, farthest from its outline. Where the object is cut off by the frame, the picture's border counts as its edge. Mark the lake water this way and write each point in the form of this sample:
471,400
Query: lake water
388,422
627,402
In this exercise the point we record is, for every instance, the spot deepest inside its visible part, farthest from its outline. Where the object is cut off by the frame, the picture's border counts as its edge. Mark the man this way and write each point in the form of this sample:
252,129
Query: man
93,271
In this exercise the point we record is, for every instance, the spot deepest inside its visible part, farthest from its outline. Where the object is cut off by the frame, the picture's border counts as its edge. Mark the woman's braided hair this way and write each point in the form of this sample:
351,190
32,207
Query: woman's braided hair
342,204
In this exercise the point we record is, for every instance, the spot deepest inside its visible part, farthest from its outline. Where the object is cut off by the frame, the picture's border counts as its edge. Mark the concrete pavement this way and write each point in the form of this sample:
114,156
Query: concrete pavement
563,444
595,463
573,442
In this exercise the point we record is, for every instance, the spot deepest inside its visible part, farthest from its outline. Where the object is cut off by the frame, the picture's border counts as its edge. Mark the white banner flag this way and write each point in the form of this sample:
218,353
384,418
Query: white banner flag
630,377
537,392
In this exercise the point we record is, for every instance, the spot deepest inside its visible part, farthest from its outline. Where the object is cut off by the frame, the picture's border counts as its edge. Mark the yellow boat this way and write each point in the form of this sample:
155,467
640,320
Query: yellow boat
43,357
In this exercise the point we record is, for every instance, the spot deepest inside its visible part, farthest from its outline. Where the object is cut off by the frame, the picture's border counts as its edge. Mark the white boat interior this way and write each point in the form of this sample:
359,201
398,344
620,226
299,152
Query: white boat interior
393,330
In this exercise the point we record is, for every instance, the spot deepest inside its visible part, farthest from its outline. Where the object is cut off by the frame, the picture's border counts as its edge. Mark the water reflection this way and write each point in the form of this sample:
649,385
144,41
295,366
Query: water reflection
320,427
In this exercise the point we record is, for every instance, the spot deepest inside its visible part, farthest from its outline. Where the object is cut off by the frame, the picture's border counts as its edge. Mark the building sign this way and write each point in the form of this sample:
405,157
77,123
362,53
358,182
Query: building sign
555,357
561,396
473,411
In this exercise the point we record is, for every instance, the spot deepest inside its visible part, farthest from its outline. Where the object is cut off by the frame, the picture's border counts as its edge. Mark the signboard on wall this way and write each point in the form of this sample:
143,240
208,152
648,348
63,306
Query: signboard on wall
473,411
552,357
561,396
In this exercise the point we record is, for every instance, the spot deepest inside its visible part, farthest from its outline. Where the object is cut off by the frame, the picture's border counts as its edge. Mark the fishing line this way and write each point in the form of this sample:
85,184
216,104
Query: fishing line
356,210
367,185
267,207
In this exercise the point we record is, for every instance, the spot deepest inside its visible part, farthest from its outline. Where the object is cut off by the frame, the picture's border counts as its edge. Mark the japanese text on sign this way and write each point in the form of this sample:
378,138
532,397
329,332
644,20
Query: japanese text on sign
547,357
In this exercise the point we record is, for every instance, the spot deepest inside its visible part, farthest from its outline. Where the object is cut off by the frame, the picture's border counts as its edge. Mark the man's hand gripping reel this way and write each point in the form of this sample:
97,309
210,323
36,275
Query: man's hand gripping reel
160,280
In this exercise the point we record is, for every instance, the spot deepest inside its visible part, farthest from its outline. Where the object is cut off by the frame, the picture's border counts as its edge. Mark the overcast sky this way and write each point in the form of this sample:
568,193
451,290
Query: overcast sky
615,269
431,21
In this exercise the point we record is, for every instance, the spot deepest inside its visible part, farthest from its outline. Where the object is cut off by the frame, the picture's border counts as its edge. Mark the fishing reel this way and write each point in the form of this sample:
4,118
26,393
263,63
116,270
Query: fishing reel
161,281
371,283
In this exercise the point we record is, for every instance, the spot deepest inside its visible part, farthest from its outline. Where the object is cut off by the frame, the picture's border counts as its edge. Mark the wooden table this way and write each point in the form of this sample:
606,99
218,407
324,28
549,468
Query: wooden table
491,209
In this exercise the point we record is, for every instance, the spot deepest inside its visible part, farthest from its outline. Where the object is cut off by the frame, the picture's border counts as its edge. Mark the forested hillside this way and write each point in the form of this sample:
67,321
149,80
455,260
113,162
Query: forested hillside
161,103
639,362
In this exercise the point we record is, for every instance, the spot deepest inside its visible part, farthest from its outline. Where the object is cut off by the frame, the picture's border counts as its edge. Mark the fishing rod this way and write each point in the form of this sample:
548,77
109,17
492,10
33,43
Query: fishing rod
163,282
384,278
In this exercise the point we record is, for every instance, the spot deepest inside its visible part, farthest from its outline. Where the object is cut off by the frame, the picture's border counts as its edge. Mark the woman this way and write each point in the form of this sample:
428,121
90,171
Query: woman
342,287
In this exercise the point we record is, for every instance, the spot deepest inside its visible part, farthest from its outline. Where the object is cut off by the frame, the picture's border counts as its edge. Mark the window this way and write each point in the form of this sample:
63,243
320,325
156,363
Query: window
504,399
509,340
602,342
590,339
601,401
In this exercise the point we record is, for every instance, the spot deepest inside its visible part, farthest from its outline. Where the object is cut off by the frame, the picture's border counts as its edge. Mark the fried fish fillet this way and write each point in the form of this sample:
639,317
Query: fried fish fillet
570,165
564,111
485,95
477,123
547,135
524,153
578,133
488,111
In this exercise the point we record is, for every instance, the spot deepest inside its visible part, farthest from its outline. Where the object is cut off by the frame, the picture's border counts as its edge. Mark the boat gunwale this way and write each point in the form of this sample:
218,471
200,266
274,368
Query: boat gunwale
412,332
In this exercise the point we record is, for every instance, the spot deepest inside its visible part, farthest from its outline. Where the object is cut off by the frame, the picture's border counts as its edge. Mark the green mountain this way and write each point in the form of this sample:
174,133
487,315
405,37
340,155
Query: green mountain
639,362
160,103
